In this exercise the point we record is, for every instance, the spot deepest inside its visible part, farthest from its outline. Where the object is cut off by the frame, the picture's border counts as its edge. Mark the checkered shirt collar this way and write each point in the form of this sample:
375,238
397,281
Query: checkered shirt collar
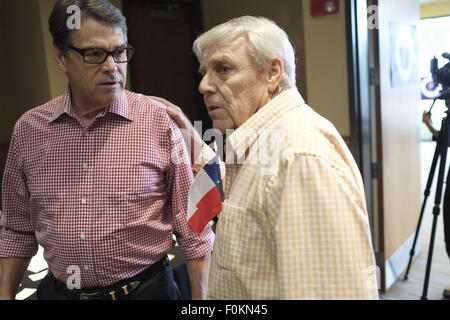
120,107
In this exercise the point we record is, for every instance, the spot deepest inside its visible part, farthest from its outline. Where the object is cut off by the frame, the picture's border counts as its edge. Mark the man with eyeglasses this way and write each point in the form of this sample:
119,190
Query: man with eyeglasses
98,177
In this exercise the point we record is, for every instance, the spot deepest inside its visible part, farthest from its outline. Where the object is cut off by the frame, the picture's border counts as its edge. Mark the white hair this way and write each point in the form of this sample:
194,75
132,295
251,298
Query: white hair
266,41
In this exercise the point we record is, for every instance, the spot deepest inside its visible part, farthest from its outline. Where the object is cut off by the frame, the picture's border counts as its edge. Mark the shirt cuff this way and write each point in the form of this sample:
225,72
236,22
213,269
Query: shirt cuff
17,245
197,246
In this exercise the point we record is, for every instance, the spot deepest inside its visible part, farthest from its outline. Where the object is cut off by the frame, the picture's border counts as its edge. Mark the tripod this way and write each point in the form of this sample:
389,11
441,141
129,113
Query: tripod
440,152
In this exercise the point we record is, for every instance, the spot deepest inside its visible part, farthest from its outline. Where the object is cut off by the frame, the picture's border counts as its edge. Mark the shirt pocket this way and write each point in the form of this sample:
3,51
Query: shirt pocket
136,179
231,236
135,194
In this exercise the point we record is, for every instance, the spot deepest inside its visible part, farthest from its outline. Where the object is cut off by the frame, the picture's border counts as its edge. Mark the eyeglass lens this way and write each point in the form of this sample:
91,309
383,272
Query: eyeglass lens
98,55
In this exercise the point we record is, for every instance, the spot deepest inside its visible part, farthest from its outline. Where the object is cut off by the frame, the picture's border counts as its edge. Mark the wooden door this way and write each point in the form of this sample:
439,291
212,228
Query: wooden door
164,65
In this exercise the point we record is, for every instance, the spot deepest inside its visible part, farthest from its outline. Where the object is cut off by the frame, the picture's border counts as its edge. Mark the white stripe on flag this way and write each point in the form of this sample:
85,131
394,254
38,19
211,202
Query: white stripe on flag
201,186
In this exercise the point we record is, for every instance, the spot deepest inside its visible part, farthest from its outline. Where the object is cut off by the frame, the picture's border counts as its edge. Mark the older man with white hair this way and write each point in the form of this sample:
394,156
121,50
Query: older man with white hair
294,223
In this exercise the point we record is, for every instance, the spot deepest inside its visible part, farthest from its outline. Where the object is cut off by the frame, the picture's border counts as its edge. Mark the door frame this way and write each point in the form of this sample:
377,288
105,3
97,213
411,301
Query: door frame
359,97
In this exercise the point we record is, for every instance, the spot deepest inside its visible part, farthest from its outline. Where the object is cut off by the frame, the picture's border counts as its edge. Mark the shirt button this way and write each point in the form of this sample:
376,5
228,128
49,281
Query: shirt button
86,268
83,201
85,166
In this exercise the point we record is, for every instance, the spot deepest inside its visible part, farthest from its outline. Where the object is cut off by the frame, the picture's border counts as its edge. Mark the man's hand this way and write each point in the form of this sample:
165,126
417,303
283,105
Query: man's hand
192,138
426,118
175,113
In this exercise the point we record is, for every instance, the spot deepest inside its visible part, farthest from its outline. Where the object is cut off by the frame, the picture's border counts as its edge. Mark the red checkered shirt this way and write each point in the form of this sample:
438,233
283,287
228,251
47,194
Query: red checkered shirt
103,200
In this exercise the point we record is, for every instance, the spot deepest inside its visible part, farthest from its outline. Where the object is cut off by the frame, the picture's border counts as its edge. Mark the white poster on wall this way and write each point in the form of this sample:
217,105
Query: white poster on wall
404,55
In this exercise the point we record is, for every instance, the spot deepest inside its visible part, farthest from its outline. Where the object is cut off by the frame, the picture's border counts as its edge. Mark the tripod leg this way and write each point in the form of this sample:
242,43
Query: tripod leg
430,253
443,142
426,194
446,214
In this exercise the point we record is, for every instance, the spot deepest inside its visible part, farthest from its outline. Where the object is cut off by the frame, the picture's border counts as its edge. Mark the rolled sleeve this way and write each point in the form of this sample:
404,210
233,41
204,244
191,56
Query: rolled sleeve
17,237
179,181
17,245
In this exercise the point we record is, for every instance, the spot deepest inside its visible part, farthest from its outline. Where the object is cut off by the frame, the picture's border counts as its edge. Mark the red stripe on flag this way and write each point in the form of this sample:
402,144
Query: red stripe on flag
207,208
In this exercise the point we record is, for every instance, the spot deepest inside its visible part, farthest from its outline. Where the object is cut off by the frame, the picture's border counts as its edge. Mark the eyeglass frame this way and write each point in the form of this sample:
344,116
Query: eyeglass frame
108,53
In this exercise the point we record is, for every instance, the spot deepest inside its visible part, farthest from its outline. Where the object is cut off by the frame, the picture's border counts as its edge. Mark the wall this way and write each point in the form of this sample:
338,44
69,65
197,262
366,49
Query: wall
57,81
3,80
433,10
3,92
24,80
326,66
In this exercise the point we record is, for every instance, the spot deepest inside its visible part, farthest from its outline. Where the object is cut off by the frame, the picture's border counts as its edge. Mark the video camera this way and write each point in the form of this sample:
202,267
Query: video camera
442,76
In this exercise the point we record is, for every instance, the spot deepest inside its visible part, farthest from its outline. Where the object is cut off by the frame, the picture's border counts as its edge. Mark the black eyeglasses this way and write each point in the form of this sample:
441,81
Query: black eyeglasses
99,55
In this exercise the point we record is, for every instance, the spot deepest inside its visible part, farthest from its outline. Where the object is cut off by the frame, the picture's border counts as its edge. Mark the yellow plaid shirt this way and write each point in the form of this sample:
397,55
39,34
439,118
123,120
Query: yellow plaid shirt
294,223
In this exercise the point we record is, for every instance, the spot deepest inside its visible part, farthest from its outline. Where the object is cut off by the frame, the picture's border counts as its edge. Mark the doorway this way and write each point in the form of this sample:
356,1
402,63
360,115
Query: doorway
164,65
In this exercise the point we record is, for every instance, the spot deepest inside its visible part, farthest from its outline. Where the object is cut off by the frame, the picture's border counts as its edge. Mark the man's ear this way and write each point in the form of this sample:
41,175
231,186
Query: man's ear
60,58
275,73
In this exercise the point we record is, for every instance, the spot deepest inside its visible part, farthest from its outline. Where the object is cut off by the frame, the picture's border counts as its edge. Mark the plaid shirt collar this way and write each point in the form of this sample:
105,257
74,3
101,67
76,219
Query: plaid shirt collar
244,136
120,107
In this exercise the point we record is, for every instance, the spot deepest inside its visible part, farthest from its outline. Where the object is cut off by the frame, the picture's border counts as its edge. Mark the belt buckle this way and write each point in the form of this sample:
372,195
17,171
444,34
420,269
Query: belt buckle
126,289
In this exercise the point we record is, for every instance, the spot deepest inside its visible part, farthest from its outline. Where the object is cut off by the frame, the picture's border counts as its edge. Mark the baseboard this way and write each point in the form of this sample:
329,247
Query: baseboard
398,262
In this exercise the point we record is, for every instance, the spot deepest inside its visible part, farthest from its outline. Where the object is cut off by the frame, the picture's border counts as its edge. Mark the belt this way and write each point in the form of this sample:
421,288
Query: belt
115,291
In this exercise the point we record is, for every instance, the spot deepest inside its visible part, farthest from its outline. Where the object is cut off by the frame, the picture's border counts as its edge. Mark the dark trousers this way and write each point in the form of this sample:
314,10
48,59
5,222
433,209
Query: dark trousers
158,287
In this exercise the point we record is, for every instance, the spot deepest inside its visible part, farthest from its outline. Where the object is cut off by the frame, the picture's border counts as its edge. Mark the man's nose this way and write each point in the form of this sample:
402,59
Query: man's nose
207,85
109,66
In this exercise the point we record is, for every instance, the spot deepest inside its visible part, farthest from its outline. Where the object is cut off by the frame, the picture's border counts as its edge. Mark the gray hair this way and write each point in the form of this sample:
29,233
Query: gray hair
266,41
